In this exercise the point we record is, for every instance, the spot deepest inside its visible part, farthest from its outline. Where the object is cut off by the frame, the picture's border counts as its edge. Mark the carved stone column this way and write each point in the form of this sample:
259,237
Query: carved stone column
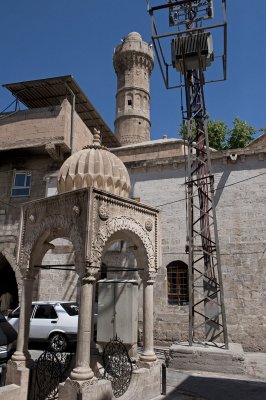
83,371
22,354
148,354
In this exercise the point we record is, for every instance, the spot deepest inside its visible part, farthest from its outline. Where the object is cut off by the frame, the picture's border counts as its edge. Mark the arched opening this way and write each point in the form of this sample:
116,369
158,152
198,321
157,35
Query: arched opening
119,300
57,279
8,286
54,316
177,283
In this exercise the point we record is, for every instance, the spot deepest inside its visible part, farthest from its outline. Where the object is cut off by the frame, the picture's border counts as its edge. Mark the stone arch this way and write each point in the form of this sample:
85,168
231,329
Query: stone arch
58,284
50,228
177,283
129,100
126,226
120,102
138,101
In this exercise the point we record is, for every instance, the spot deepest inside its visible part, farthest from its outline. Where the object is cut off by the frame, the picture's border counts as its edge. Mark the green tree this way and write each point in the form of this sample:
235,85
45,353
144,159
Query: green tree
217,132
221,137
240,135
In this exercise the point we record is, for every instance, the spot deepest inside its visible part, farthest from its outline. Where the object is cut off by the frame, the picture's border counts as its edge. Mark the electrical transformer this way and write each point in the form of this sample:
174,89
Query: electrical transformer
192,51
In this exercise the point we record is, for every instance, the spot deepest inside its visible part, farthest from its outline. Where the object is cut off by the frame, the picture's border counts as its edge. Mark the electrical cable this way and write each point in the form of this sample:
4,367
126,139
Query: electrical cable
184,199
218,188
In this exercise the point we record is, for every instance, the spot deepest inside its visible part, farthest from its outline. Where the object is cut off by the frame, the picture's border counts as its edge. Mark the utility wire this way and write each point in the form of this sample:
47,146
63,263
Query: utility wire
226,254
184,199
218,188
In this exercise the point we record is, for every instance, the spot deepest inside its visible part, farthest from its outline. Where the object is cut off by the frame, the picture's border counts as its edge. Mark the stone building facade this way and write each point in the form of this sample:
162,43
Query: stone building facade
157,174
158,179
33,144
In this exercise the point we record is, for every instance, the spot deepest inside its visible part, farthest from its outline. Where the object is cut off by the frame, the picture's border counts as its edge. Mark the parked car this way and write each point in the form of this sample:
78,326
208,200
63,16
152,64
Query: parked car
8,337
52,321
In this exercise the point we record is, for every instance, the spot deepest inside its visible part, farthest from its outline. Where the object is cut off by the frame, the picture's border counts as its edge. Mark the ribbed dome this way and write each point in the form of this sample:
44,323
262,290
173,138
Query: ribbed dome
95,166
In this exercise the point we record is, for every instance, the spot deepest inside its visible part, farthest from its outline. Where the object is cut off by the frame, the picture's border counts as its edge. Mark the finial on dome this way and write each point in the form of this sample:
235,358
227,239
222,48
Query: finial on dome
96,137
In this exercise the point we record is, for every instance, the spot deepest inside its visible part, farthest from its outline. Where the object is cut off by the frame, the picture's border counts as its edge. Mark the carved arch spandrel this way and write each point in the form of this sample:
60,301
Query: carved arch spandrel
122,224
51,227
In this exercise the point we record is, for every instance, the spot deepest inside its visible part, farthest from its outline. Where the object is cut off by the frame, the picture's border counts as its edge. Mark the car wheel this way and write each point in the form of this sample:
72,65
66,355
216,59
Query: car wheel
58,342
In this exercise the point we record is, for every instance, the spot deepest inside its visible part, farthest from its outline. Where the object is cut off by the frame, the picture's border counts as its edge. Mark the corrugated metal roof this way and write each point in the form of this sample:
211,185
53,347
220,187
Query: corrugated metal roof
52,91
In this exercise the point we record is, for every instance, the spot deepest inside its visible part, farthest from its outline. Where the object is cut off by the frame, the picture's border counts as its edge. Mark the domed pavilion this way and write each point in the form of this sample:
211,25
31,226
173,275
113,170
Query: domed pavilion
92,210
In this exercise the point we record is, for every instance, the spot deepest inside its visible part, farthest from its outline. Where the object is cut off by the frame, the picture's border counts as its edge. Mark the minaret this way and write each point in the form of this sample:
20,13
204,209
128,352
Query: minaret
133,64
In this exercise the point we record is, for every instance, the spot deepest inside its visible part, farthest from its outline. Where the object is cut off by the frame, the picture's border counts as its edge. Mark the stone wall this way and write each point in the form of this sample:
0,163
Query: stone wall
241,219
40,126
54,284
39,165
23,139
162,149
240,199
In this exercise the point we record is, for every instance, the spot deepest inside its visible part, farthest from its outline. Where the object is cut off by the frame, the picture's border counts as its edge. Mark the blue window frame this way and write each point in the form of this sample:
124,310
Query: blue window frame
21,184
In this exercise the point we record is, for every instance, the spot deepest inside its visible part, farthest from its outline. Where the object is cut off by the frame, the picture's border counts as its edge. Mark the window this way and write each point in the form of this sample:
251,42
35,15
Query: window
16,312
45,311
72,308
177,279
129,102
21,184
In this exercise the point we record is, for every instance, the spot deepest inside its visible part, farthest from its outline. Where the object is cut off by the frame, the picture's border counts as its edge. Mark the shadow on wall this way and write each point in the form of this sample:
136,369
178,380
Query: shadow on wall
219,186
202,388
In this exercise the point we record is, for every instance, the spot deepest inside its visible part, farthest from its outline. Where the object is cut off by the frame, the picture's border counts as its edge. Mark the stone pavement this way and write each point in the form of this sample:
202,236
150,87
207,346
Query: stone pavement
192,385
207,386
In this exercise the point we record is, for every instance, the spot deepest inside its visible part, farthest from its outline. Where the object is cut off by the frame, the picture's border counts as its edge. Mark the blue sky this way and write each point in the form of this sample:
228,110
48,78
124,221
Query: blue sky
61,37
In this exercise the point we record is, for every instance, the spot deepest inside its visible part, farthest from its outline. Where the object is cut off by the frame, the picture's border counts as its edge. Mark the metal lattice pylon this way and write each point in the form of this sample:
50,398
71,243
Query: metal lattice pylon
192,52
206,307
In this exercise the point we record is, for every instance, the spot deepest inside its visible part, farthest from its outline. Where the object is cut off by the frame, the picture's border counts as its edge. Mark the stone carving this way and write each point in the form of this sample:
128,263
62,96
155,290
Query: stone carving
17,364
90,275
29,274
133,59
122,224
52,224
103,212
149,225
76,211
81,385
32,218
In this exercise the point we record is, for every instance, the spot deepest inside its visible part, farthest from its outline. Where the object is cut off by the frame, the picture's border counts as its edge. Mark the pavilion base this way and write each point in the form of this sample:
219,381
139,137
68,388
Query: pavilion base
17,382
145,384
199,357
85,390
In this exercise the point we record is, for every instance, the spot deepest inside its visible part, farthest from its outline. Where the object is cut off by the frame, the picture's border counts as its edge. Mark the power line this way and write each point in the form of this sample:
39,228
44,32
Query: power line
218,188
224,254
175,201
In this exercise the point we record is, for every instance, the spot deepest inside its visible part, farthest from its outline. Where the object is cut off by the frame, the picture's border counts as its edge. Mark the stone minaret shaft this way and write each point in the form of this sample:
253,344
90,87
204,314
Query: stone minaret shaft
133,64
